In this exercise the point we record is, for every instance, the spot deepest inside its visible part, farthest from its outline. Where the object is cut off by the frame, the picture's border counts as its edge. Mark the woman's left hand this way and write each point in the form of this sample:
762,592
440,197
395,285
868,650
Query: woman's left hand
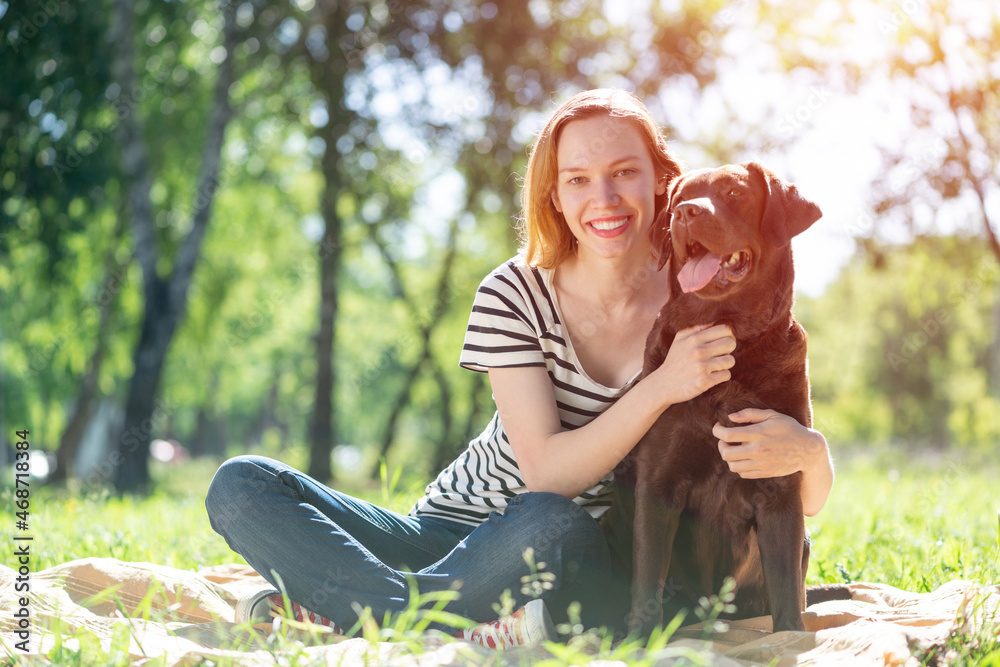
770,445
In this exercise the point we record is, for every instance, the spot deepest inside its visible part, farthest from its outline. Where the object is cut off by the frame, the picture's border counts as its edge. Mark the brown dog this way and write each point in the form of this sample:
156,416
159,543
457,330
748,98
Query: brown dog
696,522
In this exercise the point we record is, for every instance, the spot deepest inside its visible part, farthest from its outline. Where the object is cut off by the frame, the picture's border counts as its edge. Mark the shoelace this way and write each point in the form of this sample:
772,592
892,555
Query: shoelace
303,615
502,633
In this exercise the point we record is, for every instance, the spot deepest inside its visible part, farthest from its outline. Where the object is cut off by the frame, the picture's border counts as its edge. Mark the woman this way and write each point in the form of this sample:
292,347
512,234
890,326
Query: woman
560,329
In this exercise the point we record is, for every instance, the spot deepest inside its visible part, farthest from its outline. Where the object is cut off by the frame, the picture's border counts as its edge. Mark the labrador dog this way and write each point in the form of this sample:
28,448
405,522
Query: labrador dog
726,237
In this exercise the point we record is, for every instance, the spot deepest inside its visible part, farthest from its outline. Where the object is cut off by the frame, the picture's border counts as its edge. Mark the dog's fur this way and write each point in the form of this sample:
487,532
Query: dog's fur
695,521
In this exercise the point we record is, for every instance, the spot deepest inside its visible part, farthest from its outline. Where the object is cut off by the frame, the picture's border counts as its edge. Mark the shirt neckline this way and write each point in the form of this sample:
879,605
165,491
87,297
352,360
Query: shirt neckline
549,276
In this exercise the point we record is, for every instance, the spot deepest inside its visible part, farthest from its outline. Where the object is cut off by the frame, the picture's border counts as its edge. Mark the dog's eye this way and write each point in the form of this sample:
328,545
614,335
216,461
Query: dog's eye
733,193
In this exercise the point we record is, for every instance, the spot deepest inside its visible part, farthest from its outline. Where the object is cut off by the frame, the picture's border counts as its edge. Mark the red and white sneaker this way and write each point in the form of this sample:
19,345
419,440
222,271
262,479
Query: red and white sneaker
527,626
262,606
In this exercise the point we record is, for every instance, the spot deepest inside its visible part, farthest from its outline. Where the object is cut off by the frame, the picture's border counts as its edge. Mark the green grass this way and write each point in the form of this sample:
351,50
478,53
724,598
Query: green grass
913,524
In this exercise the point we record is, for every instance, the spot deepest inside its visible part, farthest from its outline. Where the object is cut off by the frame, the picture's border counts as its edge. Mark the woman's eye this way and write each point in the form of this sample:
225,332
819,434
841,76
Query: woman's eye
576,180
626,172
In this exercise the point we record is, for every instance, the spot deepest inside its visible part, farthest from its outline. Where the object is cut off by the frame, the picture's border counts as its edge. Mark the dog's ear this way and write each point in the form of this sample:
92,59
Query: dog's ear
786,212
659,233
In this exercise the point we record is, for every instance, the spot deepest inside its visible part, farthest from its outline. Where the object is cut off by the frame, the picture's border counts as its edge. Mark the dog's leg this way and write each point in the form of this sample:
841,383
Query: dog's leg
780,538
707,546
655,527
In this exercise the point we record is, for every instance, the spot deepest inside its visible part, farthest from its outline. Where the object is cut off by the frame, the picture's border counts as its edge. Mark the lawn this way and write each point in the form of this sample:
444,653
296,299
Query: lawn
911,522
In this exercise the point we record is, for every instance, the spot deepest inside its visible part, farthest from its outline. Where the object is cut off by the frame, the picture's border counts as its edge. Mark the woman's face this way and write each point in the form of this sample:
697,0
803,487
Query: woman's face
606,186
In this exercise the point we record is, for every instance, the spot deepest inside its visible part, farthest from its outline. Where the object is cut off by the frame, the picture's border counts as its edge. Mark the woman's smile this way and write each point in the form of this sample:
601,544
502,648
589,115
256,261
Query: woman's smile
606,187
609,227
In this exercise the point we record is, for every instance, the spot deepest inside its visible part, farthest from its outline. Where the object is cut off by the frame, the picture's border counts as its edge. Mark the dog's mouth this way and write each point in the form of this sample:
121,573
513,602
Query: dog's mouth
704,267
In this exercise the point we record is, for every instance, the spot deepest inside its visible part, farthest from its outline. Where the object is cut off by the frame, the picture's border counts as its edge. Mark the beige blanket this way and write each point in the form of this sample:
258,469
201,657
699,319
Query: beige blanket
161,615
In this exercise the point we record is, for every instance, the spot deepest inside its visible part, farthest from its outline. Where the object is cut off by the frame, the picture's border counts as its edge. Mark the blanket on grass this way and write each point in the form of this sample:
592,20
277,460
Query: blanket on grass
104,609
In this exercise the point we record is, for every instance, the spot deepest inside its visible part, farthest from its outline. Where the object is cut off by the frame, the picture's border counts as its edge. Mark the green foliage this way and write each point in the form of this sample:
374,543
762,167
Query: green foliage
240,370
908,354
905,347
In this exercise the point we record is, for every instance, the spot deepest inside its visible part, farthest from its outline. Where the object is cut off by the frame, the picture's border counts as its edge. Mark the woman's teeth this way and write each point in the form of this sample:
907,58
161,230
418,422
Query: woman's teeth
605,225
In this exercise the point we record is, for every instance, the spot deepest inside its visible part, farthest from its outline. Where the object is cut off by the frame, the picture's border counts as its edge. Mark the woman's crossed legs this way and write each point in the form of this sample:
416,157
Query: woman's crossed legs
331,550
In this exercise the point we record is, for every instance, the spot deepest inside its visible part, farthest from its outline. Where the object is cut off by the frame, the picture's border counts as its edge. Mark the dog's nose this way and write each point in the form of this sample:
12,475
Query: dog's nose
688,211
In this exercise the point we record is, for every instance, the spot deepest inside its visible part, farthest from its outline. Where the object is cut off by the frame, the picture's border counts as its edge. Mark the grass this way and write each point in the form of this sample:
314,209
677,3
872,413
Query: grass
913,523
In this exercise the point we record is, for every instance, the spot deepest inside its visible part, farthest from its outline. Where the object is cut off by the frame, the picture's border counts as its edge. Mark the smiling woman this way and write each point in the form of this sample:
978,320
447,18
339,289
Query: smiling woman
606,190
561,330
547,239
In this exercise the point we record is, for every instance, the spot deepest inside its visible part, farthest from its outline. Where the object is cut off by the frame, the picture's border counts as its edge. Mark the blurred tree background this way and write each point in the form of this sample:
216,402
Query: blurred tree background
259,225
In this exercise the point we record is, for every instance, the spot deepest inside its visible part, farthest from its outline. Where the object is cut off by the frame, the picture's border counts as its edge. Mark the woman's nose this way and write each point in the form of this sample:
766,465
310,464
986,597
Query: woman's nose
606,193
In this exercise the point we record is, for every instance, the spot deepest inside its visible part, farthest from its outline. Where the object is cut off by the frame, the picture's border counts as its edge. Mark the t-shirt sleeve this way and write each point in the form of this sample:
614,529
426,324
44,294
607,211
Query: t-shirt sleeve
501,331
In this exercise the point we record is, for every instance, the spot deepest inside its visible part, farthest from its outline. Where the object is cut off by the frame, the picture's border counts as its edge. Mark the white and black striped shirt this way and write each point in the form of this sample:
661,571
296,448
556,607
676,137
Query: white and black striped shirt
515,322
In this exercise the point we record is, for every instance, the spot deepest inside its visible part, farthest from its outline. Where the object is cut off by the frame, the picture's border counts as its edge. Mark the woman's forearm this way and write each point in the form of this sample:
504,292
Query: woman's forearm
570,462
817,479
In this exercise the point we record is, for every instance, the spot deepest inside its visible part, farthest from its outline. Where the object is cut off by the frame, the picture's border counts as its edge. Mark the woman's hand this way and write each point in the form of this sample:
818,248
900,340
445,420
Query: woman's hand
699,358
774,445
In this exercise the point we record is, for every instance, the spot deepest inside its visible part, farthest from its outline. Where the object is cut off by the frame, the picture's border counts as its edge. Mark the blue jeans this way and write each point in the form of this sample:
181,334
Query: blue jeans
330,549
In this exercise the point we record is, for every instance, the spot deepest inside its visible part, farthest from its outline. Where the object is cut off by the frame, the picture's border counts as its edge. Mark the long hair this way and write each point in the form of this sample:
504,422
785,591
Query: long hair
545,238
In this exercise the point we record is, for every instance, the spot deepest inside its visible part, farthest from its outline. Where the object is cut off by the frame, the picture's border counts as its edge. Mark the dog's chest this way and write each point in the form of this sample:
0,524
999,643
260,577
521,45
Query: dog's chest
682,440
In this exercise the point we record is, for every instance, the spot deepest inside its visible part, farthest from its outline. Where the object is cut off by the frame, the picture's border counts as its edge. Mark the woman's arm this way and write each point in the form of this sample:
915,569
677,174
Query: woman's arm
775,445
570,462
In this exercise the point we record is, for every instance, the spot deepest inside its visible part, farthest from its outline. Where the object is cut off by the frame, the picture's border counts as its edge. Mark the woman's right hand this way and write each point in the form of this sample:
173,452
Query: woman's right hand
699,358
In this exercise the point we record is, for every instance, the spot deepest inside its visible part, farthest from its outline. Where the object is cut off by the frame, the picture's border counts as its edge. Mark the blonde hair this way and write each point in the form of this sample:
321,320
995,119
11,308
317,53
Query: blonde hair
545,238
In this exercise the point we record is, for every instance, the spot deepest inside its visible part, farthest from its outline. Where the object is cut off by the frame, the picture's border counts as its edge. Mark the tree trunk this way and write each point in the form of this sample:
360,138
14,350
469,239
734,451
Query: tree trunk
86,401
140,421
267,416
328,76
445,440
205,440
165,300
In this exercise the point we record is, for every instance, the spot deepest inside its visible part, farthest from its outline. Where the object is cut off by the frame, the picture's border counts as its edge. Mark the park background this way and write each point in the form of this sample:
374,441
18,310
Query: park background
258,227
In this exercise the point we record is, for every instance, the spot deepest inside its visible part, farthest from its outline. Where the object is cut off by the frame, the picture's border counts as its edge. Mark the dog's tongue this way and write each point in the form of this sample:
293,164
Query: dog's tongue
698,272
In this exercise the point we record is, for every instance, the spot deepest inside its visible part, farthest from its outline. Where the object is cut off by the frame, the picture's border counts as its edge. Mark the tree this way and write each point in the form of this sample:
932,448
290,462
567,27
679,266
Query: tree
389,97
165,298
505,67
932,63
908,356
56,167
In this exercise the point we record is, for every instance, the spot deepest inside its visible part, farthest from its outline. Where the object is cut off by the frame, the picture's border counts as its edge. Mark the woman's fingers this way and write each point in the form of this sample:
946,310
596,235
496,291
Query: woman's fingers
752,415
707,333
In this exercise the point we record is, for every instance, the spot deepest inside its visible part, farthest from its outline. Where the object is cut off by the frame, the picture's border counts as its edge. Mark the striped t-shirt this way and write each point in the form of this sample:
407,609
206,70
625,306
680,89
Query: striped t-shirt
515,322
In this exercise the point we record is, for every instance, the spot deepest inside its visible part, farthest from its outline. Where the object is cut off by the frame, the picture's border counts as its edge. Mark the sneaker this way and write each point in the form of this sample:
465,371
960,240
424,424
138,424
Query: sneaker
527,626
262,606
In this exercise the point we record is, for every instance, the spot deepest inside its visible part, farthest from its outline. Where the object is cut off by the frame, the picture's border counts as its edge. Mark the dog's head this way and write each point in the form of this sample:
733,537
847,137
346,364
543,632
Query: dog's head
725,229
